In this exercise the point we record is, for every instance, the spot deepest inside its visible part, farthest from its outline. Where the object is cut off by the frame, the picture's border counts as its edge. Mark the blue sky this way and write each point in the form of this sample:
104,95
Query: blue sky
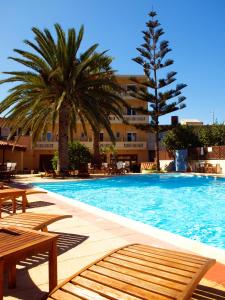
194,28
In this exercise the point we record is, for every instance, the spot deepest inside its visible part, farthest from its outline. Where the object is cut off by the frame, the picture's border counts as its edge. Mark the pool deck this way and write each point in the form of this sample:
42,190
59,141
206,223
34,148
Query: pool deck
85,237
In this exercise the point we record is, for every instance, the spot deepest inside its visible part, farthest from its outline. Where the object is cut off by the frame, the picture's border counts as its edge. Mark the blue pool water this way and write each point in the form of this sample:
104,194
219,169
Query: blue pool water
190,206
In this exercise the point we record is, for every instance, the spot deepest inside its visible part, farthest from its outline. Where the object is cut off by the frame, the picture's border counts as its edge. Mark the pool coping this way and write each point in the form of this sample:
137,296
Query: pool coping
151,231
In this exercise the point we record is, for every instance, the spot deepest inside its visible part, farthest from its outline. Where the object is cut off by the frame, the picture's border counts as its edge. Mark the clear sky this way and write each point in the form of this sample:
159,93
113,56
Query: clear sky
194,28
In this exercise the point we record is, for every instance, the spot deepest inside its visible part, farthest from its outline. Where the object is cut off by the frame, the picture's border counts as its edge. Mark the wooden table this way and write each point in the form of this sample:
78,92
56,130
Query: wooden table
137,272
12,194
17,244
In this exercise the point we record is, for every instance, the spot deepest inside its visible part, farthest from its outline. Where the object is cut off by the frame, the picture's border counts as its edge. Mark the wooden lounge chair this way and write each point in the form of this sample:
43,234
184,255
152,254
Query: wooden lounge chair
30,220
27,191
137,272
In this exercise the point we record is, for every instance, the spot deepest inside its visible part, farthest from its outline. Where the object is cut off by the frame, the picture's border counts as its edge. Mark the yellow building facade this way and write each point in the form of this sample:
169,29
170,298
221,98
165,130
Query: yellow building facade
131,143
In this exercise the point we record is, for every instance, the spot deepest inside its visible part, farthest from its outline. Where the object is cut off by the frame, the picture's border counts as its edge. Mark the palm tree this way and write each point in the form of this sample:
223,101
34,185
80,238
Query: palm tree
58,86
106,103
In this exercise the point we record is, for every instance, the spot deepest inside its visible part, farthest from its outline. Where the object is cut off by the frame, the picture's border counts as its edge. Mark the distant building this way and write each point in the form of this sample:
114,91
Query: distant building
192,122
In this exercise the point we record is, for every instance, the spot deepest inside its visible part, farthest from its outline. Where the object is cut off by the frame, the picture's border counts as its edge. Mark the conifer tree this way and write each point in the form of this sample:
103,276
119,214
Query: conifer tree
153,90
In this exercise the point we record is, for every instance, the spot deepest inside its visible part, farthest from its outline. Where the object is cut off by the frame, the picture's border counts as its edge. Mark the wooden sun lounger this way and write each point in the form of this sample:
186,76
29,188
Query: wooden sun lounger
32,192
27,193
137,272
31,220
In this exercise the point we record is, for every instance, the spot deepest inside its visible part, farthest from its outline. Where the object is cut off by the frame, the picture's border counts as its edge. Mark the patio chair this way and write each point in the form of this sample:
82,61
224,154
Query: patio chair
137,272
49,173
5,173
11,168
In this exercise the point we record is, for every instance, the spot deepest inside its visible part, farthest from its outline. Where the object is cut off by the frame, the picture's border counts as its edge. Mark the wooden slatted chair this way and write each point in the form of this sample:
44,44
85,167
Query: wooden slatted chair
30,220
137,272
27,191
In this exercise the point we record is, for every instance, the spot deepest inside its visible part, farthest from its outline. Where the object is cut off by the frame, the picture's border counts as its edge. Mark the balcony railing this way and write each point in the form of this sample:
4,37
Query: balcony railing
140,119
46,146
132,119
138,145
121,145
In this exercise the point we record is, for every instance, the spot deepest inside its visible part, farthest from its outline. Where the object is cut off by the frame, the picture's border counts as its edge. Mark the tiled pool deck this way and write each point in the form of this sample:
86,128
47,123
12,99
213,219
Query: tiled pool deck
83,238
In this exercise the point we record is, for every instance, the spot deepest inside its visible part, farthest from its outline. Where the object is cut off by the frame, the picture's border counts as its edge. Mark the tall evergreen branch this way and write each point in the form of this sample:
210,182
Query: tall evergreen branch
152,58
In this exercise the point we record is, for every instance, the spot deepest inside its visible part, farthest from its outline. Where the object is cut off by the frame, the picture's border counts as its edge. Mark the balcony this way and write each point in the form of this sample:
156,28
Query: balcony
132,119
131,145
138,145
46,146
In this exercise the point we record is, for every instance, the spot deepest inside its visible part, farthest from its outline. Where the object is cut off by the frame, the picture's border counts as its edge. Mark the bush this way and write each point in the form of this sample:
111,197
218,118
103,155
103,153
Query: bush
212,135
181,137
78,155
55,161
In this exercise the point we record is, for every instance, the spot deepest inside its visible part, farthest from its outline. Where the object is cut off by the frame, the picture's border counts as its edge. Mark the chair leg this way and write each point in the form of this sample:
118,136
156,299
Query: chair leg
1,279
12,277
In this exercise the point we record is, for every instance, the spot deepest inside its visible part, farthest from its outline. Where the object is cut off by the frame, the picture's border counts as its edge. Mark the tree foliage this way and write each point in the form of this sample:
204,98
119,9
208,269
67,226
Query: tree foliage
153,90
78,154
212,135
181,137
59,86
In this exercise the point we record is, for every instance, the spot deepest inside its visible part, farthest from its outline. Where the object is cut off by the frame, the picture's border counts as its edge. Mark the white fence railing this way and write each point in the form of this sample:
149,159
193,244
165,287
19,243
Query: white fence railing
119,145
46,146
140,119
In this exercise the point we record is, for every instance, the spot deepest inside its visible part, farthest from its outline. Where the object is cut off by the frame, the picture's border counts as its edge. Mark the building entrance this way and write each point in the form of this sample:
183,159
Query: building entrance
45,162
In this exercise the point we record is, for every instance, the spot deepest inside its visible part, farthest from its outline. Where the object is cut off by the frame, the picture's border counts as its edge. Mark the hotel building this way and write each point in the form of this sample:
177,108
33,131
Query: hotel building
131,143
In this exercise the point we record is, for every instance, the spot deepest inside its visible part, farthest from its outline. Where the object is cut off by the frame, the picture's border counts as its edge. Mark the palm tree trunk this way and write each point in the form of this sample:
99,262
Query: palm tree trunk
96,150
63,160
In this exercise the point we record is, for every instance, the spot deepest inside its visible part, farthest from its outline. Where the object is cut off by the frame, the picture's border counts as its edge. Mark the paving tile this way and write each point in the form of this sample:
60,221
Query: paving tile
217,273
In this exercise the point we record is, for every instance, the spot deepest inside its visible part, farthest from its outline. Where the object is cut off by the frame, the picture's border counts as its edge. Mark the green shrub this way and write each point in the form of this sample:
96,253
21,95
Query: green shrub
78,154
181,137
55,160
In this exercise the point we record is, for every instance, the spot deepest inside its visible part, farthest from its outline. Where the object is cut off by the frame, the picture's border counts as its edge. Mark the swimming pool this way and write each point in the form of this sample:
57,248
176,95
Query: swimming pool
187,205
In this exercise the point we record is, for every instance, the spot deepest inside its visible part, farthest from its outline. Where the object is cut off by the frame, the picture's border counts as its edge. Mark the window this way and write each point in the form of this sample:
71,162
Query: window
101,136
49,136
131,136
131,111
83,136
5,131
117,136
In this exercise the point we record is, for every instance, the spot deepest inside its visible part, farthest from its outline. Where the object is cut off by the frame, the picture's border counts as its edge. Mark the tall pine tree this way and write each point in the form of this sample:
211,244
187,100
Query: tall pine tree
160,101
